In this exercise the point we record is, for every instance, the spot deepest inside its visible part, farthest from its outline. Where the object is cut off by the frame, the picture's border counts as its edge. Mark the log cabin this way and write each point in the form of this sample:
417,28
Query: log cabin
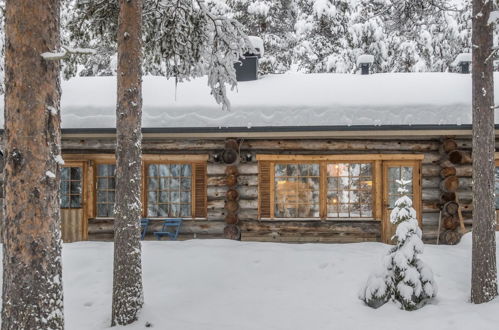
297,158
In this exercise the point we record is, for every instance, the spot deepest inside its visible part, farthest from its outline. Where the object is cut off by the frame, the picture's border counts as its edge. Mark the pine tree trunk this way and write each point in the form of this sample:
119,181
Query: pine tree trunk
484,277
32,274
127,281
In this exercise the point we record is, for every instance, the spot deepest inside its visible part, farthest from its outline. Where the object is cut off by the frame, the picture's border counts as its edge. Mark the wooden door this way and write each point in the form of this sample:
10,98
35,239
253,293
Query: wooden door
392,171
72,194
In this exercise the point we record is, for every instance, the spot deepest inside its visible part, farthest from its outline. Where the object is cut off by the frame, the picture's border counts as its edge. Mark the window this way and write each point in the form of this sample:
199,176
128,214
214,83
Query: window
106,187
169,190
71,188
349,190
334,186
296,190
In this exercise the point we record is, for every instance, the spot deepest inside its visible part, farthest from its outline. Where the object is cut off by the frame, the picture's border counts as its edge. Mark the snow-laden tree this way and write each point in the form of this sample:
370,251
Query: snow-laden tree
323,40
182,39
273,21
405,278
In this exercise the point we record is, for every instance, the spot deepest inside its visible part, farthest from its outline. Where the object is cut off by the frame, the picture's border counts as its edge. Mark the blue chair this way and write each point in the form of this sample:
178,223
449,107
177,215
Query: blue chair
143,226
171,228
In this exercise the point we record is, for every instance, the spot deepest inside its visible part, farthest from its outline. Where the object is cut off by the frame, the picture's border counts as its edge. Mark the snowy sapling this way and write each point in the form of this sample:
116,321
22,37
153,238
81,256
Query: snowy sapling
405,279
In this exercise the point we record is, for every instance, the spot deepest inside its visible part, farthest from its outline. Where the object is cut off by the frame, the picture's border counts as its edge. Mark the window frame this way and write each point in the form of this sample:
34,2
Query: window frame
145,183
82,182
378,177
95,176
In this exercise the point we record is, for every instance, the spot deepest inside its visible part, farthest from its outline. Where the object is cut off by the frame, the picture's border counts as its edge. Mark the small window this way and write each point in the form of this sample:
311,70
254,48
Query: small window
106,188
71,188
169,190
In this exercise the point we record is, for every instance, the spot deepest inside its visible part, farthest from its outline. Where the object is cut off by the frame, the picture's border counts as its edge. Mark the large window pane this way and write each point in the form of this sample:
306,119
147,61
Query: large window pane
169,190
106,188
394,174
297,190
349,190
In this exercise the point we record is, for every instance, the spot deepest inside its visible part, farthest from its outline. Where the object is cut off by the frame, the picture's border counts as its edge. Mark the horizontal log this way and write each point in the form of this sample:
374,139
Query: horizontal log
430,182
429,170
311,226
106,226
243,214
242,180
346,145
246,168
243,204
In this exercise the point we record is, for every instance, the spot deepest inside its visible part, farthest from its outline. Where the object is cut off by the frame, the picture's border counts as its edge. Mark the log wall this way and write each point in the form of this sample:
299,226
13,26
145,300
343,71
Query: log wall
247,186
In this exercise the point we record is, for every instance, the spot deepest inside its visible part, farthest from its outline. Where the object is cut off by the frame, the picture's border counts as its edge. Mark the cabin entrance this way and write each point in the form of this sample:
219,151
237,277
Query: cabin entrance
72,201
393,171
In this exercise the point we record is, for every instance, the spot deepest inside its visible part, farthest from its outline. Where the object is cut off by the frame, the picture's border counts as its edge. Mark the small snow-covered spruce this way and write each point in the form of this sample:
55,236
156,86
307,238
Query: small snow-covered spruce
405,278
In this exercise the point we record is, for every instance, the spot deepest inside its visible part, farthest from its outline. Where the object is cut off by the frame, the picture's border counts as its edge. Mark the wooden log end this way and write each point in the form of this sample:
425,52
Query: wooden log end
447,197
450,222
232,206
451,208
450,237
448,171
459,157
232,232
231,219
231,170
449,145
232,195
231,180
450,184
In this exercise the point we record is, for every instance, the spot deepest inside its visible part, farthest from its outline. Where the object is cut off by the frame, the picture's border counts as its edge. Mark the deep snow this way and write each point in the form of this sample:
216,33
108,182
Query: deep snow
291,99
227,285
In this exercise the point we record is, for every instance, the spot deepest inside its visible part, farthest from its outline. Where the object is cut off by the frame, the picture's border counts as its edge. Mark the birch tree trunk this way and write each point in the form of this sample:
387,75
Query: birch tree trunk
32,274
127,281
484,277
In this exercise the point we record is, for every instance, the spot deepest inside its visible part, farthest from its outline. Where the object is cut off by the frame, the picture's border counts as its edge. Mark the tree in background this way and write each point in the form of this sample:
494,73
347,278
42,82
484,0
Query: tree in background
484,271
32,273
273,21
323,39
182,39
405,279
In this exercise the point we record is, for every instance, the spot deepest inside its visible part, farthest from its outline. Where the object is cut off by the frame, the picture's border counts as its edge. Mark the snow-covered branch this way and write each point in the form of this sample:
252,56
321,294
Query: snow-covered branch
67,51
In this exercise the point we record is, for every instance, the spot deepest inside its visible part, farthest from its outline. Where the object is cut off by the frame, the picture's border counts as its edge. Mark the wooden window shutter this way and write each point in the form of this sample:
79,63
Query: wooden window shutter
200,190
264,182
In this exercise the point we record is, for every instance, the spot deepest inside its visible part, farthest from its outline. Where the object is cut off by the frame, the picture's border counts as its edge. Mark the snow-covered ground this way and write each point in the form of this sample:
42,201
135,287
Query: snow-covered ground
221,284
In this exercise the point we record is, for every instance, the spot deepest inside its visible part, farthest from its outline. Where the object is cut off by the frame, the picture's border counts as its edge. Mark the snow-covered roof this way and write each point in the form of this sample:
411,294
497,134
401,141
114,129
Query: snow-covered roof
291,100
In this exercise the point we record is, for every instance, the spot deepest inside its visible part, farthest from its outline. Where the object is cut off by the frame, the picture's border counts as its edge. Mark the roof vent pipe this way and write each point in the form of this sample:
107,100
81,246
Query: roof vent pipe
462,63
247,67
365,62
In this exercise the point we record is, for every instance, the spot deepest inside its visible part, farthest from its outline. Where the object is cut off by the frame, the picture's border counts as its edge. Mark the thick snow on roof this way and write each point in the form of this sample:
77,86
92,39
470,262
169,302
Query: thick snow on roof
280,100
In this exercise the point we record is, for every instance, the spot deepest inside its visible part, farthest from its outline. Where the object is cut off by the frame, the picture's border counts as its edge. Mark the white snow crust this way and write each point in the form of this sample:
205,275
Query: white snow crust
280,100
227,285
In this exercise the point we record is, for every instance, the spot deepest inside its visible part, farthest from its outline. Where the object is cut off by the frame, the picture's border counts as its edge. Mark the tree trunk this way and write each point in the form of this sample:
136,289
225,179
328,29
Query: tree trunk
32,274
127,281
484,277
